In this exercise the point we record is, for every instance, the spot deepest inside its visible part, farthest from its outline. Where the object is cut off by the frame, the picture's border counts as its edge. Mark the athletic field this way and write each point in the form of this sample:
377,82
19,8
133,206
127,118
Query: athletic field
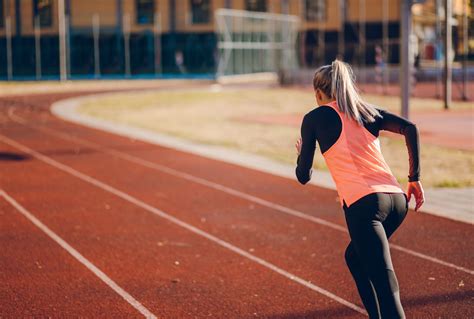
96,224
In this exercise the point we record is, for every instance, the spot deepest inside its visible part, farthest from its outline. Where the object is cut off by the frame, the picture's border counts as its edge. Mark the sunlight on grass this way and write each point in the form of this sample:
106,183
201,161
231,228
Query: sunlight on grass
213,118
8,88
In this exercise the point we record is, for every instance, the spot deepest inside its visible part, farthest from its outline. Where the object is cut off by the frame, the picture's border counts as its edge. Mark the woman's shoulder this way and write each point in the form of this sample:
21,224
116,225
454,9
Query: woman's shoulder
321,110
322,116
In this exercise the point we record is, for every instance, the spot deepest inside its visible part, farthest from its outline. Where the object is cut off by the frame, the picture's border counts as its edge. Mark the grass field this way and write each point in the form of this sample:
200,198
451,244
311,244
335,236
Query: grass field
42,87
214,117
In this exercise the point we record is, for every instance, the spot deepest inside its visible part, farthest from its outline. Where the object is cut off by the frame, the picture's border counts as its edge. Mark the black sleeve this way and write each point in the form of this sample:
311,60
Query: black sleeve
393,123
305,159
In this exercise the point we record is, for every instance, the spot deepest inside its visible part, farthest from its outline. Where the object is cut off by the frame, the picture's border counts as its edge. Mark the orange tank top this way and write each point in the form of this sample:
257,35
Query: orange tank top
356,163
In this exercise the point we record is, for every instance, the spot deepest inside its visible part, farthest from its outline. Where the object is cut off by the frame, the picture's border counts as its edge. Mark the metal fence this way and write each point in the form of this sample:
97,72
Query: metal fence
253,42
99,51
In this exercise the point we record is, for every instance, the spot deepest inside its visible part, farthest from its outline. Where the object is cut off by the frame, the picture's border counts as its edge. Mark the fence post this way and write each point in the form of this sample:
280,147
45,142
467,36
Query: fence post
405,51
447,54
126,43
466,51
8,30
385,50
438,48
158,69
37,32
96,34
322,24
362,44
341,35
62,41
67,22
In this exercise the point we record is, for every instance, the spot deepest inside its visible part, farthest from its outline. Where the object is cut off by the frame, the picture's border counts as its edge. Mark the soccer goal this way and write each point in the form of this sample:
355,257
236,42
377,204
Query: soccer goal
255,42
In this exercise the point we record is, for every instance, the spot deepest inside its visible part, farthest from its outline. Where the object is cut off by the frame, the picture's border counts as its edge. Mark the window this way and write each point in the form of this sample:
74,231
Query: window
145,11
201,11
44,10
2,14
315,10
256,5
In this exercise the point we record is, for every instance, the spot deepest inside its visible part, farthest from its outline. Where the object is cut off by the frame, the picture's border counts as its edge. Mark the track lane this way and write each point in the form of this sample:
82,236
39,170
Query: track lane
302,199
420,297
62,285
262,240
128,243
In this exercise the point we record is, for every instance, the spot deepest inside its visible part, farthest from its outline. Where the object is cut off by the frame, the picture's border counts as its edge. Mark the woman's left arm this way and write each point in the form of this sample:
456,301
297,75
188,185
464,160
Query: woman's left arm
306,147
396,124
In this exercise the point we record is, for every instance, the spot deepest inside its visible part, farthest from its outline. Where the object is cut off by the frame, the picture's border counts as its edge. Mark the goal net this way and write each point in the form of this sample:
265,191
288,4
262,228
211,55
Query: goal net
255,42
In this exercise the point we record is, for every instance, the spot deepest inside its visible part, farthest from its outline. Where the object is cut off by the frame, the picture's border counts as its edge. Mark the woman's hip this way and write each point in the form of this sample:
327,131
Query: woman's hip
377,206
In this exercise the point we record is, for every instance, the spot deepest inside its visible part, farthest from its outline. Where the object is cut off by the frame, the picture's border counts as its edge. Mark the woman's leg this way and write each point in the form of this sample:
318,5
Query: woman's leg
364,286
391,224
367,220
397,215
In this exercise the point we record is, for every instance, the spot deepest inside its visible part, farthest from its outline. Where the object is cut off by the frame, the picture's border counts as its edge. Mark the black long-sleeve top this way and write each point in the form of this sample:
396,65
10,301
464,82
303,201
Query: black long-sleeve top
324,125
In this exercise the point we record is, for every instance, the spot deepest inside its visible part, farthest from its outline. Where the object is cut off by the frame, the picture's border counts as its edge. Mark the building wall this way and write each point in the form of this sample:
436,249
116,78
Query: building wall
430,6
195,43
27,21
162,8
331,22
83,11
184,17
26,16
373,10
9,12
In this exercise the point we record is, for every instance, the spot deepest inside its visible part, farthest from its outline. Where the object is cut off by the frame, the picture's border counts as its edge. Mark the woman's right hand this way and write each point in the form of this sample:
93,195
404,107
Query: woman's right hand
298,144
416,189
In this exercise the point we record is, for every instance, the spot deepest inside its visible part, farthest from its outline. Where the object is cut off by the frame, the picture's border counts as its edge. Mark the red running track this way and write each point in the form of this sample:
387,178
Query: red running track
185,236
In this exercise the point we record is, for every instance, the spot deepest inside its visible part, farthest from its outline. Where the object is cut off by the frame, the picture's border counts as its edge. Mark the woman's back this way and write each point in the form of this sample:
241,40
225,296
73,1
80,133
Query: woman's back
324,125
356,162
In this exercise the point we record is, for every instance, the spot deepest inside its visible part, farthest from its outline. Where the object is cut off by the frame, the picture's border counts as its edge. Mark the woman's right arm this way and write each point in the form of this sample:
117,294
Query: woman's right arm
306,147
393,123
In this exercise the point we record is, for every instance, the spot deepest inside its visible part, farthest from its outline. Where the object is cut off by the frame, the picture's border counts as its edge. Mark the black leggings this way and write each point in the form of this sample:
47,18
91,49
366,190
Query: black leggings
371,221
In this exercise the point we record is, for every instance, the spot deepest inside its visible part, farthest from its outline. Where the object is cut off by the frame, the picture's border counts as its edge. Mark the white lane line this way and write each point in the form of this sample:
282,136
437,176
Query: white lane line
176,173
83,260
228,190
177,221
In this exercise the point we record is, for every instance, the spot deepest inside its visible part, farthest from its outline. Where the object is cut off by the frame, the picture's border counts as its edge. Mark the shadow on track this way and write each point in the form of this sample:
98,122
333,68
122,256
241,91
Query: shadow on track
338,312
439,298
7,156
420,301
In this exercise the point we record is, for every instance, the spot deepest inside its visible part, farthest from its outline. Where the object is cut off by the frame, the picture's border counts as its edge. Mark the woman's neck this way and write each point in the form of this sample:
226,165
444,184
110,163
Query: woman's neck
326,101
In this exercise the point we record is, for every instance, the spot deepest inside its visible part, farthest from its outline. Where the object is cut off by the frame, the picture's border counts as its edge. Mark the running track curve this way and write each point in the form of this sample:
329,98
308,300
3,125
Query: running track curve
151,231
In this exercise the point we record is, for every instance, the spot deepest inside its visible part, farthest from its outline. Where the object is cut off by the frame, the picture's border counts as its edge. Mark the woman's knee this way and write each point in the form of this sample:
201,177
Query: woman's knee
350,256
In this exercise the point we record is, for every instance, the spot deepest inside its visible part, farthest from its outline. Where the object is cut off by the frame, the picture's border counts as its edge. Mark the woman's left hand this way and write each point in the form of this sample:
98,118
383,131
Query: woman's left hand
415,189
298,144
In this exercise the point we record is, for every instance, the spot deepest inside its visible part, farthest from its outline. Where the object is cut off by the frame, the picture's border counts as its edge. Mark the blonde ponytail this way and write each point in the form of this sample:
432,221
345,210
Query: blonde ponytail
337,81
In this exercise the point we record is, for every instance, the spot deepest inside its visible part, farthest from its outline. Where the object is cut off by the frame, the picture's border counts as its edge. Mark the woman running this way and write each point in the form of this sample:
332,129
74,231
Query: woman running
347,129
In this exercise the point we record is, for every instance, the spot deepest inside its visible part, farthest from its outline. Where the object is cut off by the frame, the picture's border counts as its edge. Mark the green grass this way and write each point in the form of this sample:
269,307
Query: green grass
215,118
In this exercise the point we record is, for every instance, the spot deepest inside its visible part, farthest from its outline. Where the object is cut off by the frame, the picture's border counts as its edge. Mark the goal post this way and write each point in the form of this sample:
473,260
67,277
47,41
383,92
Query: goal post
255,42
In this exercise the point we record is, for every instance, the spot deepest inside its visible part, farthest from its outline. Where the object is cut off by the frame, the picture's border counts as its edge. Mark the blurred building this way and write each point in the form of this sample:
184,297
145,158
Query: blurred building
428,27
179,36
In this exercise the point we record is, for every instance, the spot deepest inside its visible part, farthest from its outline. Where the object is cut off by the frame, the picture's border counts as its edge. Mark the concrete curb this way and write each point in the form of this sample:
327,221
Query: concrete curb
439,202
